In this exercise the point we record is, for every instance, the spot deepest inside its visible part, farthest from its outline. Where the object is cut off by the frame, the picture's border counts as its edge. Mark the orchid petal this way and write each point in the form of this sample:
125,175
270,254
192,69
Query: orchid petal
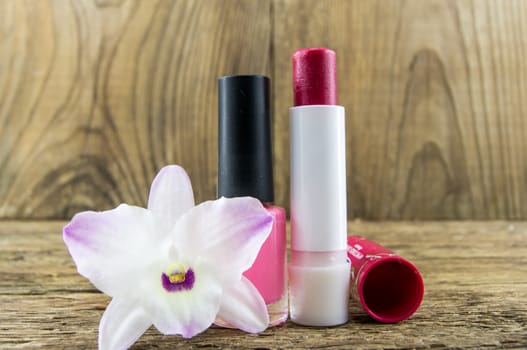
185,312
170,195
122,324
113,247
243,307
227,232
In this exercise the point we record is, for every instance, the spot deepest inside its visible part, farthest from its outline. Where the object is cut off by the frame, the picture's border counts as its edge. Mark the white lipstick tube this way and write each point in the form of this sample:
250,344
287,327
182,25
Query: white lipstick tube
319,270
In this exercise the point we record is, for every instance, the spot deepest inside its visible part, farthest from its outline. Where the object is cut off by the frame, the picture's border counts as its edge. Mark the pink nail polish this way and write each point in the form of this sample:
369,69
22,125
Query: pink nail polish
268,272
245,169
388,287
319,269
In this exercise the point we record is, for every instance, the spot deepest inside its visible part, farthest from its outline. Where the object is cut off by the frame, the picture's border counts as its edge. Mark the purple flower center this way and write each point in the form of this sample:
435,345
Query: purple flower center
177,279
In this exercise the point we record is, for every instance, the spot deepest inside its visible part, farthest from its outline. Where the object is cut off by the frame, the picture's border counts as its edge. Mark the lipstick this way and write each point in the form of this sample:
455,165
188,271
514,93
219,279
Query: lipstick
319,270
245,169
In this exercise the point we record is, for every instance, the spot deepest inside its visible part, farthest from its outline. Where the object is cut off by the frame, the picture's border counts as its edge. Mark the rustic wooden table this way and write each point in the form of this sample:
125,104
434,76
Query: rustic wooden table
475,278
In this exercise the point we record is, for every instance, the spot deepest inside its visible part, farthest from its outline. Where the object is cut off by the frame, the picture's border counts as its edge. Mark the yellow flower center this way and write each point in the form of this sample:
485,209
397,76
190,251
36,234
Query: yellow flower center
176,273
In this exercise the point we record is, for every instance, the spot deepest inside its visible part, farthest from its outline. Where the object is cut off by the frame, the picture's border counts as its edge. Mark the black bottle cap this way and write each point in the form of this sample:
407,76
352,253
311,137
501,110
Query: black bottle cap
244,140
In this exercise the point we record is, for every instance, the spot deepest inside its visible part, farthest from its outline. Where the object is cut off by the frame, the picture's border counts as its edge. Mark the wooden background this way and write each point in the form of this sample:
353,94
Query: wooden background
96,96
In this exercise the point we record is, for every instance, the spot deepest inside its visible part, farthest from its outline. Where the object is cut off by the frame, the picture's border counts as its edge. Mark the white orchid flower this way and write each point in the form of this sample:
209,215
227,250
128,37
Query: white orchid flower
174,265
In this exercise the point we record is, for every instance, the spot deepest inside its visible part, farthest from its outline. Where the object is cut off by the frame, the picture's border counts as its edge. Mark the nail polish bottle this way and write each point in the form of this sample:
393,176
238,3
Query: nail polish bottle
245,169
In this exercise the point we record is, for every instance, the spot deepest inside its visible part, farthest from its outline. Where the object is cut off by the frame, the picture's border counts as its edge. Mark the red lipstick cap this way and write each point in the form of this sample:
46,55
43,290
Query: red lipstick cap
388,287
314,77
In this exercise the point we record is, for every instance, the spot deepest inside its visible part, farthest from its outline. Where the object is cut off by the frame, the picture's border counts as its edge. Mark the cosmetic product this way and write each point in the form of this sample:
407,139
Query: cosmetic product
388,287
319,268
245,169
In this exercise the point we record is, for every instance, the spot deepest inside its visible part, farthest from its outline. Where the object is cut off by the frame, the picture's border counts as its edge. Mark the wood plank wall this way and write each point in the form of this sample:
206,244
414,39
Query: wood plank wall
96,96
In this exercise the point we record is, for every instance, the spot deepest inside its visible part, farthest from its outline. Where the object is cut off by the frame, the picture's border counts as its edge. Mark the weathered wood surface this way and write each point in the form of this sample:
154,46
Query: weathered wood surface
436,100
96,96
475,278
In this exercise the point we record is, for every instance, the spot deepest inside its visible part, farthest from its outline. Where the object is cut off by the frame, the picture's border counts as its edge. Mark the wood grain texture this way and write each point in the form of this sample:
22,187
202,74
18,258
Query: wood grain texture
435,99
475,277
96,96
